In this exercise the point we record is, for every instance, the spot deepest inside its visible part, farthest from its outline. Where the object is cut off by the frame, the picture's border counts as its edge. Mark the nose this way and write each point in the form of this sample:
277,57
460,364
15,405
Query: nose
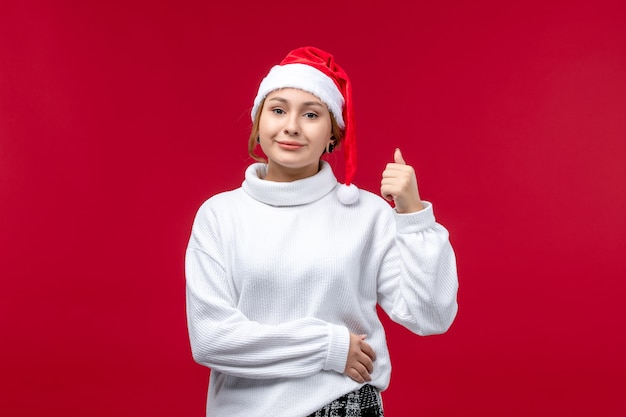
292,126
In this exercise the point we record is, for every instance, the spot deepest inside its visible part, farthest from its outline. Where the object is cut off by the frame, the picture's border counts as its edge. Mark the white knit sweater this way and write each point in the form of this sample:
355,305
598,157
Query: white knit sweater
279,274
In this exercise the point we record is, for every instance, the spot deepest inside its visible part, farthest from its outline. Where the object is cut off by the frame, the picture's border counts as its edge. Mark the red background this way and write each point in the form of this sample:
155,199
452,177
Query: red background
119,118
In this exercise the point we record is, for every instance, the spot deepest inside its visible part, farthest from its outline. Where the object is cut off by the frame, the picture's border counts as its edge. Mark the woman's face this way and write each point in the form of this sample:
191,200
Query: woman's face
294,130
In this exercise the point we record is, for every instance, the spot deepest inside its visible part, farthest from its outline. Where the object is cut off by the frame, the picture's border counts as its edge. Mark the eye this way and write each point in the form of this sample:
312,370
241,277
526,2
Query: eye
278,111
310,115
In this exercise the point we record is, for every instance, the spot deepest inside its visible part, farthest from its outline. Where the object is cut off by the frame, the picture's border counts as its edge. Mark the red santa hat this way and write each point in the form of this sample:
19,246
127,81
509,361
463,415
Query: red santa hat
315,71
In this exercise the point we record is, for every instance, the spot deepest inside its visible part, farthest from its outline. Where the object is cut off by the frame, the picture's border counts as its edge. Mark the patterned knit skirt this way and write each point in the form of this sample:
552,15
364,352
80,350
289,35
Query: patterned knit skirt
365,402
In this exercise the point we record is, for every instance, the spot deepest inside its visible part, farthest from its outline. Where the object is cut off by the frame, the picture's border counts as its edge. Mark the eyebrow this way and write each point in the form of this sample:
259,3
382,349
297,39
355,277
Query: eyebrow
305,104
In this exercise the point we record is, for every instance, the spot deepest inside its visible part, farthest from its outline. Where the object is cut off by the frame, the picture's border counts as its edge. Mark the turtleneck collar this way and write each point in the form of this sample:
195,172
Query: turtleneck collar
292,193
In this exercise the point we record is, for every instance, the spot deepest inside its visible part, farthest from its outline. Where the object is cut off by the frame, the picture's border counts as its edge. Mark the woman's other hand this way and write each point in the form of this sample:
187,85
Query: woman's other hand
400,185
361,359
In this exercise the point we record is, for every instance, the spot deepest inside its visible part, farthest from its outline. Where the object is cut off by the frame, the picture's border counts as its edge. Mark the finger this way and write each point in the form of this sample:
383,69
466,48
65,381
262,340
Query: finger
395,186
355,375
396,183
358,371
366,361
363,372
389,191
368,350
397,170
387,196
367,377
397,157
392,170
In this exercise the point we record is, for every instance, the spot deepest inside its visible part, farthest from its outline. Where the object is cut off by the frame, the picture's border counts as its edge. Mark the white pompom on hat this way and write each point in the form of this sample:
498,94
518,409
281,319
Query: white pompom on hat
315,71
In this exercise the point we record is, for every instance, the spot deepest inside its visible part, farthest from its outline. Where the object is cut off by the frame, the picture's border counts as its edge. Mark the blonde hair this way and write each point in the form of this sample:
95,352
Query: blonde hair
254,133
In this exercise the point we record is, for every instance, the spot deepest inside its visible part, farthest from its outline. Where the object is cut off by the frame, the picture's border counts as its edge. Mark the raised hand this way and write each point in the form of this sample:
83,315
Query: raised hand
361,359
400,185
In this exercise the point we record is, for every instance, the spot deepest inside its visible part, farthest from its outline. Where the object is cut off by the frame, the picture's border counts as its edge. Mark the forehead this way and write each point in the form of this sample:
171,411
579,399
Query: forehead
293,94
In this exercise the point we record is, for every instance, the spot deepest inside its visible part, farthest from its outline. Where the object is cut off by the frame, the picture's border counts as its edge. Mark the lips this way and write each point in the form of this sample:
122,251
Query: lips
290,145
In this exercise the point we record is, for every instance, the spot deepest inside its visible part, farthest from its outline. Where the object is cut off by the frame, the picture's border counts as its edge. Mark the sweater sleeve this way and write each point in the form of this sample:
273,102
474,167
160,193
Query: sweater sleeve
224,339
418,284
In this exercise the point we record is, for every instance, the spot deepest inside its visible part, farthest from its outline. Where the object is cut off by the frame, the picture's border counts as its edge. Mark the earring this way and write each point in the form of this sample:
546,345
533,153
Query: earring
258,139
330,147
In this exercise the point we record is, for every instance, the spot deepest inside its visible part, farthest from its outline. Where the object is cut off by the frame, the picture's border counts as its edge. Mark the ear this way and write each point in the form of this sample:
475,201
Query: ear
331,145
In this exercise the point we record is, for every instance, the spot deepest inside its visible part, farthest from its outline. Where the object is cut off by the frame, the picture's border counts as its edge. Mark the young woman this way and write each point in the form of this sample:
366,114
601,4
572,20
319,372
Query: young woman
284,274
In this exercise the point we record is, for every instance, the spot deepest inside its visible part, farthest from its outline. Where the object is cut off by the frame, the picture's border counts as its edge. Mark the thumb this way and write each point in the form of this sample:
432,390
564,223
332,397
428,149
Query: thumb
397,157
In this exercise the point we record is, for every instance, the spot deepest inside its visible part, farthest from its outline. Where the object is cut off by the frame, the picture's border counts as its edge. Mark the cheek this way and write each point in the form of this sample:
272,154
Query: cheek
266,125
320,132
